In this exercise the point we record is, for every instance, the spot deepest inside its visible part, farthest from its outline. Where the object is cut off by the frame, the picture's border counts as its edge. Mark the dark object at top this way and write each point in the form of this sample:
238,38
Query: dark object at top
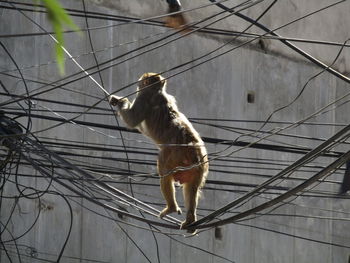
345,186
174,3
9,128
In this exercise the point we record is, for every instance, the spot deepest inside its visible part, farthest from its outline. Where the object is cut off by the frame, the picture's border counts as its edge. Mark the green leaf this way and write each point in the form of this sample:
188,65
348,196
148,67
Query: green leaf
58,18
59,51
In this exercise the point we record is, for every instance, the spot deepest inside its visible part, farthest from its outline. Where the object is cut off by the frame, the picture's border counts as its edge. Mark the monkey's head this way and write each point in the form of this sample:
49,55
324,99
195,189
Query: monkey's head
151,81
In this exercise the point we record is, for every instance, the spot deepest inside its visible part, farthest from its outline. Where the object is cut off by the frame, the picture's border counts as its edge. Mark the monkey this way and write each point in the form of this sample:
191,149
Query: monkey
182,155
177,20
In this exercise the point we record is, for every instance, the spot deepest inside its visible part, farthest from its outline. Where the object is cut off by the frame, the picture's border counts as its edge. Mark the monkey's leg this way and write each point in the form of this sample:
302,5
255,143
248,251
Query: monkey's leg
191,194
168,190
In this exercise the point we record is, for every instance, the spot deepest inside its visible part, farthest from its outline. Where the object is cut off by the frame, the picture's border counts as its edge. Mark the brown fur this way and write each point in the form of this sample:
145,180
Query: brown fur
154,113
176,20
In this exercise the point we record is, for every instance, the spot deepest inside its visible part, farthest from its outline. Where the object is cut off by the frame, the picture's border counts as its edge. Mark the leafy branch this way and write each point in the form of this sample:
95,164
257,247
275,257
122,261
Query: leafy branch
58,18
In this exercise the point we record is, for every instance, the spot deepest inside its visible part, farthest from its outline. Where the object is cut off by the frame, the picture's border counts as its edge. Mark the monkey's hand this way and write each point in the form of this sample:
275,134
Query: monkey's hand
113,100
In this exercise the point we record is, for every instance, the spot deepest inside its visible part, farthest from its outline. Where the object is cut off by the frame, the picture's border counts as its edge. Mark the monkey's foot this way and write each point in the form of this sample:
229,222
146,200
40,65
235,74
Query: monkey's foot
169,210
189,220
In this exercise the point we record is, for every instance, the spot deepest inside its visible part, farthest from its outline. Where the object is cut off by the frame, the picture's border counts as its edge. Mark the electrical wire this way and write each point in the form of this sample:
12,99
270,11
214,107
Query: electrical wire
55,160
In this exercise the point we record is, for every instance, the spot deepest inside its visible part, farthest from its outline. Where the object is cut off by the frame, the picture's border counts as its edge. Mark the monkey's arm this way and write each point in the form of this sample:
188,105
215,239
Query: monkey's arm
132,113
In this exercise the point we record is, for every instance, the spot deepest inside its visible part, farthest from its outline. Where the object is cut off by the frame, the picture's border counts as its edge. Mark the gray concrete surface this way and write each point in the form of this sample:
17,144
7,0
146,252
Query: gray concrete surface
215,90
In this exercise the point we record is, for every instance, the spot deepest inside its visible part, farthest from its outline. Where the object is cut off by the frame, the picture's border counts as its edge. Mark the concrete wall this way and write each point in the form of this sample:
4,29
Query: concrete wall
215,90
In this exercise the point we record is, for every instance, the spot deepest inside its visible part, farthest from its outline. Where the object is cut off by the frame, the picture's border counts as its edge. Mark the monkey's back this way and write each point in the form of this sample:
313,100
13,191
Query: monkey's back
180,144
165,124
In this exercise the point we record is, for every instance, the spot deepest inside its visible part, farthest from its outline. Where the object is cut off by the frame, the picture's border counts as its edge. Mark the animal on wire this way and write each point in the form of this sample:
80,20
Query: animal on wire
176,19
182,154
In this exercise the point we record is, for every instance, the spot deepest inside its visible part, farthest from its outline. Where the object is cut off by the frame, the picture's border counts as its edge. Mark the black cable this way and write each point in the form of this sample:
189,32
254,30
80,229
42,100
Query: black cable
345,186
201,62
228,51
296,150
109,188
227,128
124,54
333,166
6,252
295,236
305,85
13,240
306,158
29,122
250,41
287,43
122,140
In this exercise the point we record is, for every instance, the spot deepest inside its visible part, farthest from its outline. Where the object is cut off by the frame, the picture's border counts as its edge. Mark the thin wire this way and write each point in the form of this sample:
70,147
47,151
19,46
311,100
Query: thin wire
298,163
127,53
134,21
339,162
65,51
